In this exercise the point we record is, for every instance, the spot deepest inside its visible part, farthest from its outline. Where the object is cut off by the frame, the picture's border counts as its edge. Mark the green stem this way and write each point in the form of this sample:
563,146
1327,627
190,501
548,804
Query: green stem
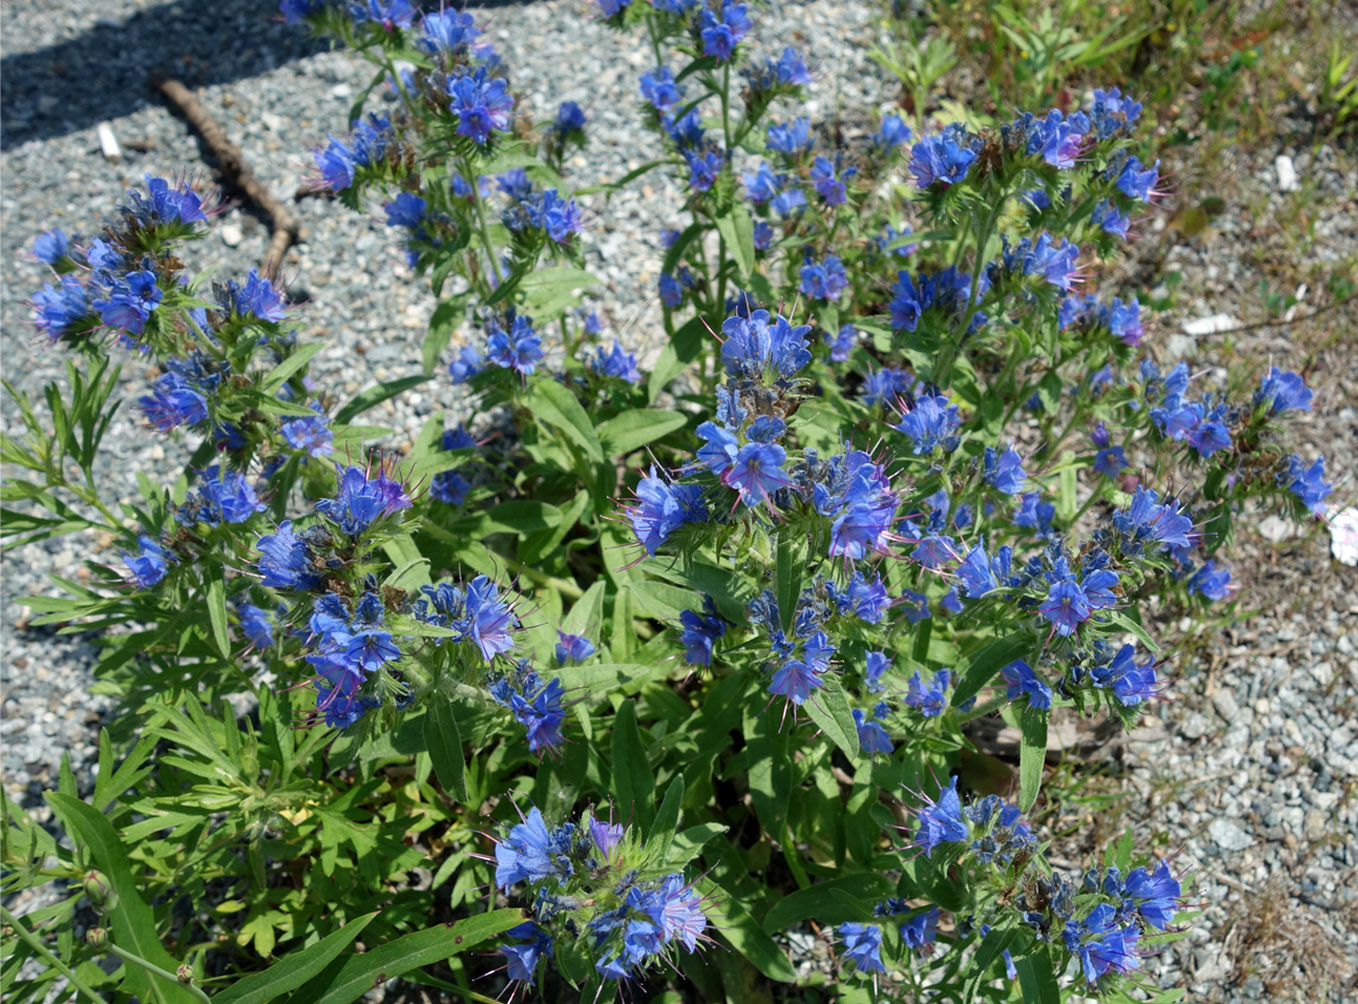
470,179
151,967
950,352
34,942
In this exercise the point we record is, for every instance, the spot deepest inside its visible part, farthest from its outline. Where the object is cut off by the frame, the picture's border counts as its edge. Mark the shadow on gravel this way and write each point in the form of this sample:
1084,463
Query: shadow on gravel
102,74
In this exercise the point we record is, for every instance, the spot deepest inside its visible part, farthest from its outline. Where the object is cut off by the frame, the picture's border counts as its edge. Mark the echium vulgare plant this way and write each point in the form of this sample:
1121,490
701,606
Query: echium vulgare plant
724,625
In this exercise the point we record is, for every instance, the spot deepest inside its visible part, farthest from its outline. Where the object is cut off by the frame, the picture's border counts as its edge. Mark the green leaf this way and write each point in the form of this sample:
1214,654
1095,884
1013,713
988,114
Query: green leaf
134,925
634,429
633,782
787,579
294,969
986,663
745,935
830,710
992,946
1032,756
216,606
279,375
365,400
832,902
1036,980
737,229
683,348
349,978
557,406
549,291
666,820
444,743
586,617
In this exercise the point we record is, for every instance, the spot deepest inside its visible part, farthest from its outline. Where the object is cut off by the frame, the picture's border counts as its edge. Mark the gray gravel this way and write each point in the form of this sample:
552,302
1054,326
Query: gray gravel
1252,781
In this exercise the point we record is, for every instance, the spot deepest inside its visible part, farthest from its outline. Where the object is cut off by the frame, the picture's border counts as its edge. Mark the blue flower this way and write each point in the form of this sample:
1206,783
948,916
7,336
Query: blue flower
492,621
662,508
974,573
406,210
536,705
173,402
1066,606
362,500
905,303
149,565
795,680
788,202
522,960
939,160
877,664
284,561
465,365
1054,263
1283,391
863,946
311,435
227,496
930,701
892,133
790,69
930,424
1156,895
659,88
872,738
257,625
523,855
1136,181
1212,582
1110,219
829,187
762,185
1100,944
722,33
447,31
569,118
1149,520
920,930
165,204
824,282
1112,113
757,472
558,217
53,245
482,105
1022,680
940,821
841,343
1005,471
752,347
130,301
519,349
617,363
791,138
256,298
703,168
698,635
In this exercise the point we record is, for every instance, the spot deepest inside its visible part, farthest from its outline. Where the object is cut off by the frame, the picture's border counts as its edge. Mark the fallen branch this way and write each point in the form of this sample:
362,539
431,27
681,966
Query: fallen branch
235,173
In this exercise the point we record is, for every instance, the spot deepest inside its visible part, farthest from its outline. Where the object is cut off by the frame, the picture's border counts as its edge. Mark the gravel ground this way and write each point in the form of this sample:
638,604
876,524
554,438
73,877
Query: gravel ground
1252,776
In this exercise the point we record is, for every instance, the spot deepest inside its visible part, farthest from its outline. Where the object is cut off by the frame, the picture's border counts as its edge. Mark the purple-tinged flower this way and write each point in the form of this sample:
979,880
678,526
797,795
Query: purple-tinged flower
1110,219
51,246
557,217
703,168
1066,606
920,930
721,33
149,565
519,349
617,363
659,88
763,235
975,574
605,835
939,160
1208,437
1112,113
362,500
482,105
1307,483
572,647
284,561
56,308
1283,391
940,821
795,680
757,473
257,298
916,606
762,185
493,622
662,508
905,305
1004,472
752,347
721,449
311,435
790,138
841,343
863,946
931,700
1130,681
1022,680
227,497
789,202
1054,263
165,204
1033,512
790,69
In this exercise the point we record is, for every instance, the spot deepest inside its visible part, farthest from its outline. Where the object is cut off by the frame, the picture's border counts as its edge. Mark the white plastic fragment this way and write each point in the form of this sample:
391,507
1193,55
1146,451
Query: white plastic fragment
1344,536
108,143
1210,325
1287,173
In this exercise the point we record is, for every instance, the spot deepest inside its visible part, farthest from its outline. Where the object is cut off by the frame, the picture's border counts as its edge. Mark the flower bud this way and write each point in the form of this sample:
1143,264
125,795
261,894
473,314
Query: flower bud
96,937
184,973
100,891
